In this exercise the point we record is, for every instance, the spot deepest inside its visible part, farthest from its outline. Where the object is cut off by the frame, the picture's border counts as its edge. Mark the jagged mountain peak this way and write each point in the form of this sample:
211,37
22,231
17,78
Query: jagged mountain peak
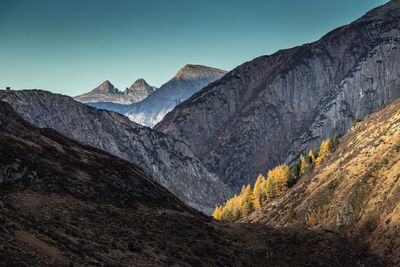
140,85
105,87
140,82
106,92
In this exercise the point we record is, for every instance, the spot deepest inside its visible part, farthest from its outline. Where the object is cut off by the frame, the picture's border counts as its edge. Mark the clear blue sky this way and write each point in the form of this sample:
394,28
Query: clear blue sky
71,46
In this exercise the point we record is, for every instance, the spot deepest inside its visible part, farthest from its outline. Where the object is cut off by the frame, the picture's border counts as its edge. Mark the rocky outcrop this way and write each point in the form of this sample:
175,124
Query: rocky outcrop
274,108
107,93
167,160
183,85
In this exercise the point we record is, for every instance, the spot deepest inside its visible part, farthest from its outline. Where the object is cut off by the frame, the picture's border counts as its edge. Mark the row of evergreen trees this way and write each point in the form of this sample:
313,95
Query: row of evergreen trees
278,180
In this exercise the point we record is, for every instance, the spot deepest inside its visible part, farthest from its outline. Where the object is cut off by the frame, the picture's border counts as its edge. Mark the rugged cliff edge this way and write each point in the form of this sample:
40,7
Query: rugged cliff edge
64,203
273,108
167,160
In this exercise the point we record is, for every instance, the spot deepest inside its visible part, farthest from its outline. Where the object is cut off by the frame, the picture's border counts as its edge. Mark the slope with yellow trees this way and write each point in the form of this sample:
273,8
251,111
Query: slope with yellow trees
278,180
354,192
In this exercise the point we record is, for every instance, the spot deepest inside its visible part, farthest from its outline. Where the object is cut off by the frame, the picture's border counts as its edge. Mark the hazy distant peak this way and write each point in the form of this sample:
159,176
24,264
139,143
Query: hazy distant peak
190,70
106,87
140,86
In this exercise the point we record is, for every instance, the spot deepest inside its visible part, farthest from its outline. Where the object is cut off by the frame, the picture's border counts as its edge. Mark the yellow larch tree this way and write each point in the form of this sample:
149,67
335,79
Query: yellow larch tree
312,156
280,176
217,214
304,166
247,200
259,192
325,150
269,189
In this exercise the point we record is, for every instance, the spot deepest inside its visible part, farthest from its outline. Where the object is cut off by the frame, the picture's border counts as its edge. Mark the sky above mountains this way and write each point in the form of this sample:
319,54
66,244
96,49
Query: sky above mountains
70,47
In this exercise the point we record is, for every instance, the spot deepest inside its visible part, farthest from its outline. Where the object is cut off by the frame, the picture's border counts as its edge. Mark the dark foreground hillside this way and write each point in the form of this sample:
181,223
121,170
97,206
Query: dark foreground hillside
64,203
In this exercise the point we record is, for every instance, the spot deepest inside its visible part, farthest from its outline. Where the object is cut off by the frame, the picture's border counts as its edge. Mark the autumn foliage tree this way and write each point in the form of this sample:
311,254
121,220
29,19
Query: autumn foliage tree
259,192
246,200
311,157
325,150
280,176
305,166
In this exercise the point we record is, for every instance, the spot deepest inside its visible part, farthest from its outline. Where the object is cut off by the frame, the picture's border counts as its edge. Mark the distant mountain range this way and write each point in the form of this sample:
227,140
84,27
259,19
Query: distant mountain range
272,109
106,92
153,108
169,161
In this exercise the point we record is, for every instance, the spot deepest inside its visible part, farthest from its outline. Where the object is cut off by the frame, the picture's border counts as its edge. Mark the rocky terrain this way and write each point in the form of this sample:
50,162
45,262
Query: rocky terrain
106,92
63,203
274,108
356,192
167,160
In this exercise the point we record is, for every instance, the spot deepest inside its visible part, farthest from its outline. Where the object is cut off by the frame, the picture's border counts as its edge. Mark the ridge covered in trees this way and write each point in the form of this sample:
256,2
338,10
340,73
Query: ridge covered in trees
278,180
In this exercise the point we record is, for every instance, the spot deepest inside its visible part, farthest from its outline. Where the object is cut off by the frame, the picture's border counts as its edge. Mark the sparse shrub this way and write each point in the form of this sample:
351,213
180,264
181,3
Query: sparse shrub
326,209
335,141
356,121
333,185
291,213
396,148
325,150
312,220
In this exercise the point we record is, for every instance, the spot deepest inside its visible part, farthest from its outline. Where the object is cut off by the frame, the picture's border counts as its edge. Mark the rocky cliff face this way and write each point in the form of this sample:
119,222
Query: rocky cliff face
274,108
186,82
355,192
63,203
106,92
167,160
